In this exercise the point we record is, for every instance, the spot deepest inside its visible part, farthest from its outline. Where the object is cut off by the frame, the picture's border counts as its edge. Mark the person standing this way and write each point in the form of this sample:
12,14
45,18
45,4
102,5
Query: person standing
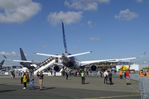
147,73
105,74
110,77
127,78
31,81
101,73
40,77
67,73
141,74
24,80
83,77
121,74
12,73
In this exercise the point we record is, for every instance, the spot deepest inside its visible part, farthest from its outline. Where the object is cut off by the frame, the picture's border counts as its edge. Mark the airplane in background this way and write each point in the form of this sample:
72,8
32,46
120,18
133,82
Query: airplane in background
68,60
24,62
1,64
29,65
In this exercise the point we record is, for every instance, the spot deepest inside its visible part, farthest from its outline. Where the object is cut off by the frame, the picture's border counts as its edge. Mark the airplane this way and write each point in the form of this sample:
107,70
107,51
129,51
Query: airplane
30,65
1,64
24,62
68,60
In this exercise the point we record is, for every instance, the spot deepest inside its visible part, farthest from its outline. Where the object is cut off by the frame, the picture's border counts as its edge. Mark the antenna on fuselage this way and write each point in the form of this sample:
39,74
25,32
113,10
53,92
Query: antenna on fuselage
64,38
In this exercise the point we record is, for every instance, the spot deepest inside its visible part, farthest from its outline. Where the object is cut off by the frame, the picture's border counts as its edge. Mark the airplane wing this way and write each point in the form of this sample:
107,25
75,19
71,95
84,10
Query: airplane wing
106,60
78,54
49,55
23,61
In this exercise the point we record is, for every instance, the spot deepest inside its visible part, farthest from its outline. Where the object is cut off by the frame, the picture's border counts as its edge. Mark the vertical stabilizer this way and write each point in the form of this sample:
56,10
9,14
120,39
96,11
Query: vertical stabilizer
64,38
25,64
1,63
22,54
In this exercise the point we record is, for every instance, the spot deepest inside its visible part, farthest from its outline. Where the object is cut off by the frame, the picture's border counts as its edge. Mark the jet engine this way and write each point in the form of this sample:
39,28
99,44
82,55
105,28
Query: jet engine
93,67
56,68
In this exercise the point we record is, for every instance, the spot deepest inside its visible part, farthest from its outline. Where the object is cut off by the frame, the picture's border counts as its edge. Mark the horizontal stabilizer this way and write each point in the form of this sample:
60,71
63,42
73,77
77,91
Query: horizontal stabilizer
49,55
73,55
23,61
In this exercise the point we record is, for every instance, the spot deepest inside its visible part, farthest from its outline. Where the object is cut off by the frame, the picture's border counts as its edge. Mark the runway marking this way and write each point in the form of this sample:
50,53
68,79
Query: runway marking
110,97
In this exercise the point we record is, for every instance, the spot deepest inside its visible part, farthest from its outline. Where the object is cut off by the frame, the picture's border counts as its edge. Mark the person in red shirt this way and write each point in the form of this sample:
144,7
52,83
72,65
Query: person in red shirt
127,75
128,78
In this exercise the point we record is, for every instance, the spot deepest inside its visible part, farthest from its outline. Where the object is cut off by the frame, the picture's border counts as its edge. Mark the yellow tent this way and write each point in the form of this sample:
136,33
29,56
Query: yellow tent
124,67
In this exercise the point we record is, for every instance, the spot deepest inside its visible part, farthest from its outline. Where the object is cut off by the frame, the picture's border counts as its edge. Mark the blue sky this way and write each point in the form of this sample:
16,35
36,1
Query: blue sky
109,28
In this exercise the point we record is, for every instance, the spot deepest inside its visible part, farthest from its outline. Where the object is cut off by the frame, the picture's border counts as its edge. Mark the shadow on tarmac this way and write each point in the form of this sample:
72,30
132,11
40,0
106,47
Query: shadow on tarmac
45,88
3,91
48,88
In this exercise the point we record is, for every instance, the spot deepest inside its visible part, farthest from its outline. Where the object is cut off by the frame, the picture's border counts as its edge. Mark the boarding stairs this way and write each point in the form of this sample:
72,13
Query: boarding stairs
44,65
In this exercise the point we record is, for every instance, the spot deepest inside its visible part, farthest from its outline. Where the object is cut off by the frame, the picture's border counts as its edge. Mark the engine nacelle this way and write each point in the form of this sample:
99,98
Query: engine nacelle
56,68
93,67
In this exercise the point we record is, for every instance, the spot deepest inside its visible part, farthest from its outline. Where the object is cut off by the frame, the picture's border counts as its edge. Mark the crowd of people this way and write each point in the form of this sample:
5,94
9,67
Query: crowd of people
107,77
125,75
144,73
27,77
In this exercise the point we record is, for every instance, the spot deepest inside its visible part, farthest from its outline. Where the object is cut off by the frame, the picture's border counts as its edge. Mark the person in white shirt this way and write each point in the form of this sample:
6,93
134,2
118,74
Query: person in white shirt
105,74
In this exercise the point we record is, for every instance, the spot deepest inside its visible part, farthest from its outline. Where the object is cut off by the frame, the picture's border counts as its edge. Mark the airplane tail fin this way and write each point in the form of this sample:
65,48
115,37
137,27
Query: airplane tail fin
23,60
1,63
64,38
22,54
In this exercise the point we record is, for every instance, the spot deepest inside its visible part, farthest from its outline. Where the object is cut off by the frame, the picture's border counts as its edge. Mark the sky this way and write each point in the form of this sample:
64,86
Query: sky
109,28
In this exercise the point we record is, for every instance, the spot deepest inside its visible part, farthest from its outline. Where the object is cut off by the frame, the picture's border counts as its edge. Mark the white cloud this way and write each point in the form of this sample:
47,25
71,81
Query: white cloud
67,17
85,5
126,15
103,1
139,1
16,11
91,23
13,53
94,39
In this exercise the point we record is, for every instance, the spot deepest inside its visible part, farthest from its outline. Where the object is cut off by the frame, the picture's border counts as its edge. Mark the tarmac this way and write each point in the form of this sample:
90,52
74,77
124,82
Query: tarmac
60,88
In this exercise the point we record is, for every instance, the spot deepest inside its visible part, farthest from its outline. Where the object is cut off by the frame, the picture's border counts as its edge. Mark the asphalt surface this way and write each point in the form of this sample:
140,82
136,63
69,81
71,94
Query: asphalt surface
60,88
